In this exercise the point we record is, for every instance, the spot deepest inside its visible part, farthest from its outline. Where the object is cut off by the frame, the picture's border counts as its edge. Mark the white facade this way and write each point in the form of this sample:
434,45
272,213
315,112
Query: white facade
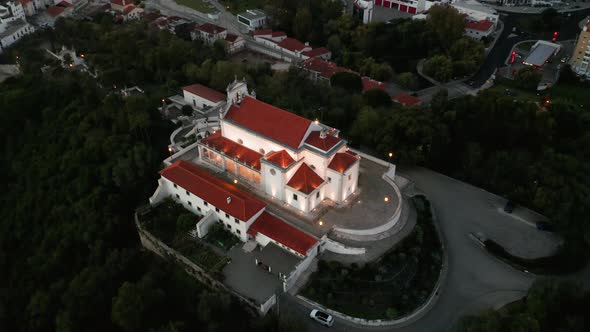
200,207
476,11
197,101
11,11
363,10
320,182
13,31
252,19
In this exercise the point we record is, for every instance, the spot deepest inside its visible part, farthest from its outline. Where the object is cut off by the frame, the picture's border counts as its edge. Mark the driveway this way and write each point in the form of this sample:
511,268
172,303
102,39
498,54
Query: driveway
475,279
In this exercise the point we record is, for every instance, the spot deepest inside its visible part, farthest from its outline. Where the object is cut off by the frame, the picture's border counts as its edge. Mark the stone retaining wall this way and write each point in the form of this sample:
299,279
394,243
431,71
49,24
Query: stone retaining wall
156,246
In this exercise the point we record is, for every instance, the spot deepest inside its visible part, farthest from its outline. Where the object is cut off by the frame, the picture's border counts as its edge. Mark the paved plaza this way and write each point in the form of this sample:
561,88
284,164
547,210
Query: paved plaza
370,209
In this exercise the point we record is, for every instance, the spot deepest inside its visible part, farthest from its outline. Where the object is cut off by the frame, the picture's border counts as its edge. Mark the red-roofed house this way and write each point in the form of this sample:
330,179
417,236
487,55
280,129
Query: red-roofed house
407,100
479,29
200,96
322,69
234,43
208,33
120,5
131,13
320,52
286,156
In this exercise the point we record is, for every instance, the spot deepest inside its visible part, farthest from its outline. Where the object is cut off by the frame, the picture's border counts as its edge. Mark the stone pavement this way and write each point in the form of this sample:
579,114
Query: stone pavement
376,248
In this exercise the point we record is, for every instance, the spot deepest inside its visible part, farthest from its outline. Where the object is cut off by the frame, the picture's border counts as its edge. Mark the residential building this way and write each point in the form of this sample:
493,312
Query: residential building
581,56
252,19
475,11
234,43
62,9
279,40
29,7
320,69
120,5
11,11
12,31
406,6
363,10
479,29
208,33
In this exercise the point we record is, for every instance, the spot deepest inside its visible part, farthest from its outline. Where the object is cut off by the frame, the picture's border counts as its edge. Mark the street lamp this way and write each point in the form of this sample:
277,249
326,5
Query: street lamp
390,156
386,199
320,223
235,181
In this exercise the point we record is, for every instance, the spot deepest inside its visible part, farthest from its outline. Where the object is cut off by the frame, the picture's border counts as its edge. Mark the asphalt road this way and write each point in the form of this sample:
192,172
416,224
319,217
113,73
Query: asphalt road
475,279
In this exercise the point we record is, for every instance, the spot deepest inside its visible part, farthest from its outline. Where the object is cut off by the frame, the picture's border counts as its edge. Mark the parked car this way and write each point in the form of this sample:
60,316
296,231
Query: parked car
321,317
545,226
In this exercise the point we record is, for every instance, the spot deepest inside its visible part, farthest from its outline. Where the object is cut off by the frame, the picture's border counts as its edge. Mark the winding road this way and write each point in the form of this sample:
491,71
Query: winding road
475,280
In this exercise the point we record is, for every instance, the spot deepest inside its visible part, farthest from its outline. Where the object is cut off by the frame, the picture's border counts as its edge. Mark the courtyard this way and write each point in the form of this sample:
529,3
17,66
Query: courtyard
374,206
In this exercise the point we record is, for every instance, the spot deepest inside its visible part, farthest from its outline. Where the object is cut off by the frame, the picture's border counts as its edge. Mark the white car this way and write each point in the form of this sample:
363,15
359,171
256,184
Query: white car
321,317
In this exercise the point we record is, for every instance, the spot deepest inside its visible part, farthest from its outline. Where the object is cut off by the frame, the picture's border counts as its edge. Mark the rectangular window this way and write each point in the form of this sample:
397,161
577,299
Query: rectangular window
187,193
177,196
349,177
175,186
190,203
236,221
238,231
227,216
317,195
205,203
216,209
295,197
329,179
198,209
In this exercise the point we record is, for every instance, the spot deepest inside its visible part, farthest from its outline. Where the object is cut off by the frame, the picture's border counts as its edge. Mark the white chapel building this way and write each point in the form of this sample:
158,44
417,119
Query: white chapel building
288,157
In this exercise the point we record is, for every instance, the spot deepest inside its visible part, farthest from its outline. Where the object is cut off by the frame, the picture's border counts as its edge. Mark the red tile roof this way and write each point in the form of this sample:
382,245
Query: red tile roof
128,9
55,11
213,190
371,84
231,37
342,161
281,158
270,121
120,2
262,32
205,92
64,4
292,44
325,68
316,52
324,144
283,233
305,180
484,25
407,100
211,28
233,149
278,34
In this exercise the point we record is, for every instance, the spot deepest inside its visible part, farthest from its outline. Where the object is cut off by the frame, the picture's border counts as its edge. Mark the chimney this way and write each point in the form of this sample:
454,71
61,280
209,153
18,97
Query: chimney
228,200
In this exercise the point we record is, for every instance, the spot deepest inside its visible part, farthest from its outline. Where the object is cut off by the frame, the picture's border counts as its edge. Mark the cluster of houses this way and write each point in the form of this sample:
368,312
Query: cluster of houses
13,23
